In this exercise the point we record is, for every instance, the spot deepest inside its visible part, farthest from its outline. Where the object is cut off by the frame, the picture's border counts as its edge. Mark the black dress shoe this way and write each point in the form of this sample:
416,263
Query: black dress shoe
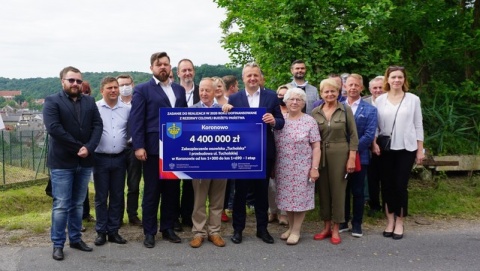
397,236
116,238
81,246
149,241
57,253
135,221
237,237
171,236
101,239
387,234
177,226
265,236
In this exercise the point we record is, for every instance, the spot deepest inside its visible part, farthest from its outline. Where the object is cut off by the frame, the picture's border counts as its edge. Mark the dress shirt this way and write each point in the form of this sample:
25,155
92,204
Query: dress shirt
114,136
354,105
253,100
168,90
129,104
214,104
189,95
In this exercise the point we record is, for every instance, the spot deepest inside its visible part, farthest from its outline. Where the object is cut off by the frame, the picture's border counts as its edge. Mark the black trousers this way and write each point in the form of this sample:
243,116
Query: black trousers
374,183
259,187
396,168
153,188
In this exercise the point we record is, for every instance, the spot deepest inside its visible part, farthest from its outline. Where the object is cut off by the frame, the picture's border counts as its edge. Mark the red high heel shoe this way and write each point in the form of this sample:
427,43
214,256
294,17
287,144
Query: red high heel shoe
321,236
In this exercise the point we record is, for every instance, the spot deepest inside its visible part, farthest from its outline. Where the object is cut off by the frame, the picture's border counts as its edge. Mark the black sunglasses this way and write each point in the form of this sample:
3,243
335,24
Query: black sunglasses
71,81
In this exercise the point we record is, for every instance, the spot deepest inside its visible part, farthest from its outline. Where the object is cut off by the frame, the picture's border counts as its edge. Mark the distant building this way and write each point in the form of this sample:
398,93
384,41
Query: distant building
10,94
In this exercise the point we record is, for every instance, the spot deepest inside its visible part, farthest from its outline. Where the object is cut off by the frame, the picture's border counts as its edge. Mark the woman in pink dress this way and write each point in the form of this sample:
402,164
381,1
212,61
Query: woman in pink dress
296,169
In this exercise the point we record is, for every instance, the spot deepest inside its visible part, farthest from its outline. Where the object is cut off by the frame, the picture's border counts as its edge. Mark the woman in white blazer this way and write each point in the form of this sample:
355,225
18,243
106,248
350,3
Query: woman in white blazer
400,117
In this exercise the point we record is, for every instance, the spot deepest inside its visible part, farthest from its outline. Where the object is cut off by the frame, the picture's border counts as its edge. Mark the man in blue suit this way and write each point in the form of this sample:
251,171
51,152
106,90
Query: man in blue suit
144,122
366,120
74,127
253,96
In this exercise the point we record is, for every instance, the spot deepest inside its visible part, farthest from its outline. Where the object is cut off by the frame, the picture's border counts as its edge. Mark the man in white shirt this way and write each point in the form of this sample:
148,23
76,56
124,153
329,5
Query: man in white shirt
110,164
134,166
186,74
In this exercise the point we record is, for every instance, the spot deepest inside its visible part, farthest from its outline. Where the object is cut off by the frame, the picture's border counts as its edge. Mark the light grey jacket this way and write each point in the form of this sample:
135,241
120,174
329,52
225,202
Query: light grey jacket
312,95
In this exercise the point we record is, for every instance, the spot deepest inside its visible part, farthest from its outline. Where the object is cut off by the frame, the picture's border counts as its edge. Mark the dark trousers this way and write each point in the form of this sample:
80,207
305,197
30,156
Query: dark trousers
396,168
109,181
86,207
154,186
259,188
355,187
134,175
229,194
374,183
186,202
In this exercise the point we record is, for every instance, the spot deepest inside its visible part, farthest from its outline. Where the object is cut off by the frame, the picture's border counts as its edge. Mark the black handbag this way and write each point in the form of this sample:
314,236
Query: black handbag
383,141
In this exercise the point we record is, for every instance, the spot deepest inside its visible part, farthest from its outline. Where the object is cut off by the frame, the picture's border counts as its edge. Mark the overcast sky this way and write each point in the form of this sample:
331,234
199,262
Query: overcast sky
40,37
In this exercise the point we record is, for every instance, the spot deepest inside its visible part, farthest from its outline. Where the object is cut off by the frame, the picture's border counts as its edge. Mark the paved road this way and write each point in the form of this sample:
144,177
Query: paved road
421,249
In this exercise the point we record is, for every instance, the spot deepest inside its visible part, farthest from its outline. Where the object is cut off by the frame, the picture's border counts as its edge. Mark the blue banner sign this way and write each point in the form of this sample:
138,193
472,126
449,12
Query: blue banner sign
206,143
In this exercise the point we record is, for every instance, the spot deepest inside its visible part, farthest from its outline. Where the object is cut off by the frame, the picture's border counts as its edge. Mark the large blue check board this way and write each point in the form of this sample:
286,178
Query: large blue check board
206,143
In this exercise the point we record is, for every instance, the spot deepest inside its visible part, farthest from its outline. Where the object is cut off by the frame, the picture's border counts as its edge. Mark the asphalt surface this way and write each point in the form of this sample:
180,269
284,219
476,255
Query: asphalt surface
420,249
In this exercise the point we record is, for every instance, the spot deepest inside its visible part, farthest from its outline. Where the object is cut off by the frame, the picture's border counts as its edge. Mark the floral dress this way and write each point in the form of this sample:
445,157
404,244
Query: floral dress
294,160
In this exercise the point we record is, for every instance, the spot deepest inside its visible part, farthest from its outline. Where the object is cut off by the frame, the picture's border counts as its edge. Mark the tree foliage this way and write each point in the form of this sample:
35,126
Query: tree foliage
38,88
431,38
438,41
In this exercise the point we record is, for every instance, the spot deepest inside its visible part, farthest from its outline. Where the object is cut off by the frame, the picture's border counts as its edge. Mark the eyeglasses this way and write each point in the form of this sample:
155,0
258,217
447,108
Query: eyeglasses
295,100
71,81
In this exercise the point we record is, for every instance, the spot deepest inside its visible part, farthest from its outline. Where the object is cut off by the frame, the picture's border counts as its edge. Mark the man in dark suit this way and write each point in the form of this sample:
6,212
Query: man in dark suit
144,118
255,97
186,74
74,126
366,122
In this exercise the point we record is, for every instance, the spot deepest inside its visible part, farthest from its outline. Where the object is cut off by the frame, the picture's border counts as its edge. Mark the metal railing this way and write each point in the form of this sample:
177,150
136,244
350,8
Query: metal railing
23,156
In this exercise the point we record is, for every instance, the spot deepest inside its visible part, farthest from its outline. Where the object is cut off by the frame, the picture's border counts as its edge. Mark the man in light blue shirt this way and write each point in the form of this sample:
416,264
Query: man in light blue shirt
110,163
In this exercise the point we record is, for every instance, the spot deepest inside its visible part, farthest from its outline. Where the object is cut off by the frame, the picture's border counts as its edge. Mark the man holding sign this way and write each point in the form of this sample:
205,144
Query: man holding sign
253,97
213,188
147,99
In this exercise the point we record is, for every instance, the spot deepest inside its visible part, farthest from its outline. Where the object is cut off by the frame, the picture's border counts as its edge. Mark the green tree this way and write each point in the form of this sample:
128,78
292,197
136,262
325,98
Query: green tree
438,41
435,38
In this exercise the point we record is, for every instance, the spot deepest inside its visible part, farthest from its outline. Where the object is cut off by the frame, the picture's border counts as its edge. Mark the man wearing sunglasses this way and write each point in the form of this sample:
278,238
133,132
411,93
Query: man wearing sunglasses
74,126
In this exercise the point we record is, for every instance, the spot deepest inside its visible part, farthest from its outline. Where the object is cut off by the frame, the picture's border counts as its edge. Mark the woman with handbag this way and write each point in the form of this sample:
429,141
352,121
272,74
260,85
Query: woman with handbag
296,168
399,144
338,158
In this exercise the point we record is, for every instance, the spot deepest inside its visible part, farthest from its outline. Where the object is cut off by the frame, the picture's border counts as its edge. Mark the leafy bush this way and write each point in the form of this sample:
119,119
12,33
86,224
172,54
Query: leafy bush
451,118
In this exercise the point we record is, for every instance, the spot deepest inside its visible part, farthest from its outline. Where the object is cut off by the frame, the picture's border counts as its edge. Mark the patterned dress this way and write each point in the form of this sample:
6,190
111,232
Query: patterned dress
294,160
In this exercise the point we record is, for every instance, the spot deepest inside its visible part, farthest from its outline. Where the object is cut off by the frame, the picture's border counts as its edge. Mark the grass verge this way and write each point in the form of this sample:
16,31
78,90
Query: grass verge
28,210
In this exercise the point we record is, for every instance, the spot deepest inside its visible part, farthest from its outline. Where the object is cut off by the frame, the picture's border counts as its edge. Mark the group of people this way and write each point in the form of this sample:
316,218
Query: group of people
313,141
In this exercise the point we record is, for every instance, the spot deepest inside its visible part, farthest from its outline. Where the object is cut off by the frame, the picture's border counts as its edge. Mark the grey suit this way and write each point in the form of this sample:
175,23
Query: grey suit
312,95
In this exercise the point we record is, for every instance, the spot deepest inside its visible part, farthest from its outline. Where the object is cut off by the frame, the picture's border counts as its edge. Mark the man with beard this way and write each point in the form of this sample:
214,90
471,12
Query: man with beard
298,70
74,126
148,97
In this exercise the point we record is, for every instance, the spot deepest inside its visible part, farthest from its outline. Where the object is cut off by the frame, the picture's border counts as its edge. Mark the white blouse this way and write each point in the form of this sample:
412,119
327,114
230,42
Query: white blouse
408,125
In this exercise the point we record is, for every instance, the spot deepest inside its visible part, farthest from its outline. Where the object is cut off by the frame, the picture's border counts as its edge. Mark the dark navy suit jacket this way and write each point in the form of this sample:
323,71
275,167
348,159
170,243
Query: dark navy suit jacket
68,133
147,98
268,100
